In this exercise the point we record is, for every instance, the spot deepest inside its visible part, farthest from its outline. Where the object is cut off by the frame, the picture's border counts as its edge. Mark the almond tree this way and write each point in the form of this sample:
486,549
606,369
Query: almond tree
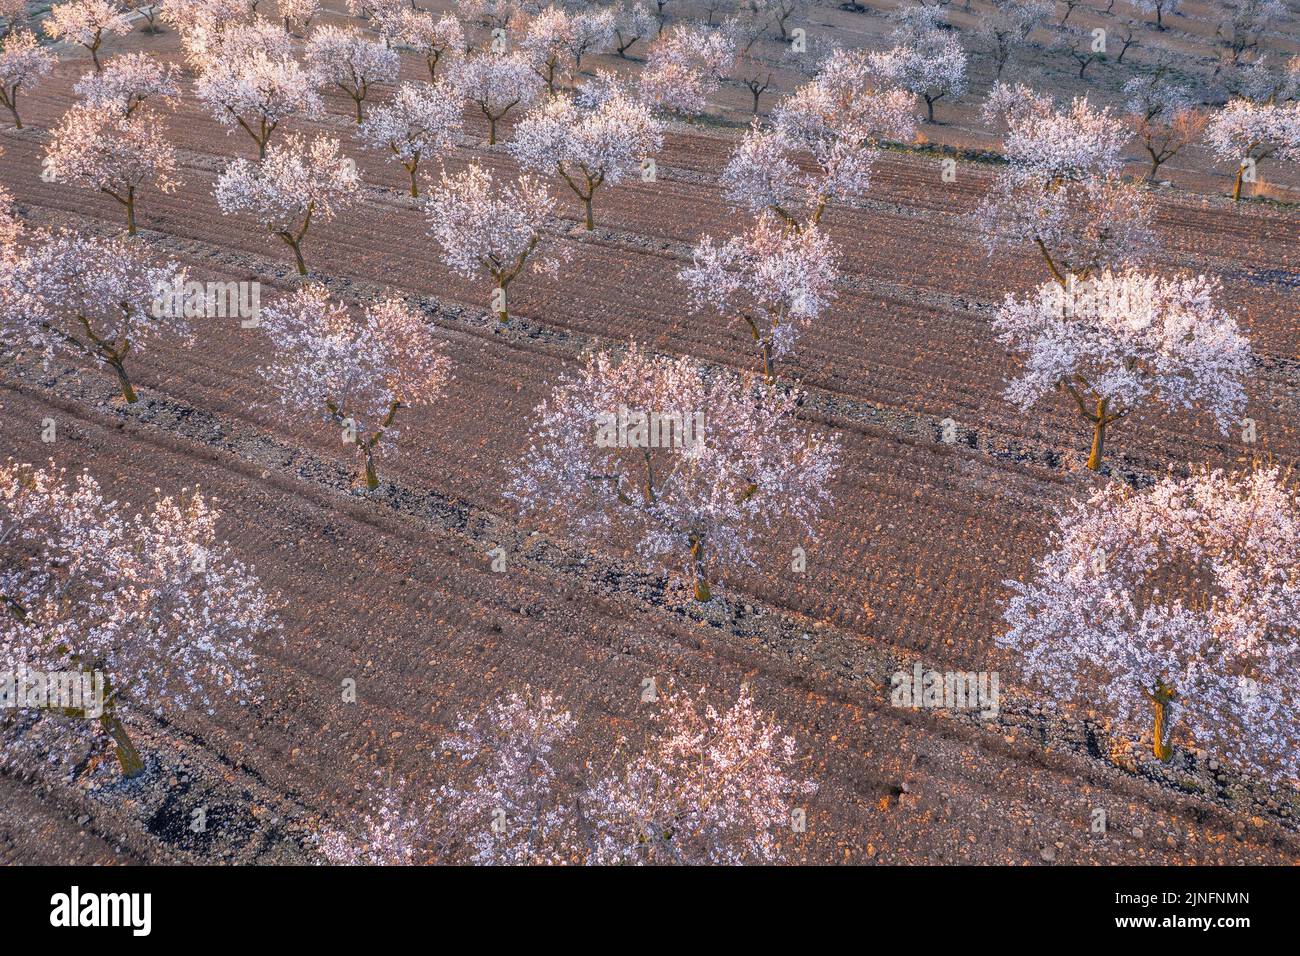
836,121
256,92
932,66
346,59
419,119
1008,26
439,41
1159,8
86,23
212,39
1163,116
545,44
1061,191
1180,601
509,813
493,228
23,61
590,32
713,787
496,83
297,184
116,154
744,472
87,297
127,82
587,148
1122,338
684,67
354,373
1248,133
777,280
297,14
1246,24
156,603
634,23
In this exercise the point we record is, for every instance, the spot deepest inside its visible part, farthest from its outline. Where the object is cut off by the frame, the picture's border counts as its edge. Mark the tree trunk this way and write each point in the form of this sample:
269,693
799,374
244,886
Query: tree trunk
765,352
929,109
415,188
1098,435
13,108
296,246
1236,187
1161,703
492,131
702,592
128,757
130,211
591,223
372,476
123,382
360,117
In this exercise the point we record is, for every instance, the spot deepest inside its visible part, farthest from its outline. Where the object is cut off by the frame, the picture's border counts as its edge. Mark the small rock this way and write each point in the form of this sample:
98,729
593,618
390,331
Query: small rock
1137,833
1048,853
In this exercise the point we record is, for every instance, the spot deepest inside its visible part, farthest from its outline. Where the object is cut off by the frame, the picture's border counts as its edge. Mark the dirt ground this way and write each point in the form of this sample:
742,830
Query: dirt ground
394,588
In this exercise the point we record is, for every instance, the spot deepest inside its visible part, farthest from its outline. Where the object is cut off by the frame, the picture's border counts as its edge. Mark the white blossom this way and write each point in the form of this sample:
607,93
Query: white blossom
1119,339
748,471
354,373
1180,601
118,155
489,227
255,92
587,148
298,184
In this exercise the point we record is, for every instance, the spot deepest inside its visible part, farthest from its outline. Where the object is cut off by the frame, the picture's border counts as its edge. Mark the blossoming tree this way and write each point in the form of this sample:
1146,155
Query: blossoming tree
156,603
86,23
1120,339
256,93
1248,133
496,83
88,297
692,501
509,813
298,183
777,280
116,154
587,148
1060,192
23,61
1163,116
488,227
354,373
127,82
713,787
685,65
346,59
420,118
1180,602
836,121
